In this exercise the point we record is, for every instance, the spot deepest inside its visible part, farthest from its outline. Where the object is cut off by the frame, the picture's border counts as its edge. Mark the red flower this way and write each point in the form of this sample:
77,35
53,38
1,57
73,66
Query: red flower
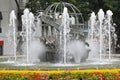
23,75
114,74
31,76
118,77
68,77
37,75
102,78
118,74
97,73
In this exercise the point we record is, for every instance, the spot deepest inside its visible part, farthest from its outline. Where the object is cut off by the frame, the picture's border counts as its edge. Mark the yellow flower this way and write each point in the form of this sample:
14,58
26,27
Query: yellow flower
61,71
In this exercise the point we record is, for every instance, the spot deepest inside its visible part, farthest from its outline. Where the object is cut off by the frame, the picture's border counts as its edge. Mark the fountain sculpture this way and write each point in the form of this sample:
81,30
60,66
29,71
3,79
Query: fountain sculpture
57,35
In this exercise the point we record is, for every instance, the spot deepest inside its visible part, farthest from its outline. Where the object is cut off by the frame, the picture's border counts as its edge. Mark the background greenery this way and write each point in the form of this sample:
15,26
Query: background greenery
85,6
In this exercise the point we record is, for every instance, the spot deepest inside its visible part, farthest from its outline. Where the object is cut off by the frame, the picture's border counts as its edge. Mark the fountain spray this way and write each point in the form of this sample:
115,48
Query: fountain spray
101,18
92,19
12,24
31,21
39,28
66,30
26,25
109,16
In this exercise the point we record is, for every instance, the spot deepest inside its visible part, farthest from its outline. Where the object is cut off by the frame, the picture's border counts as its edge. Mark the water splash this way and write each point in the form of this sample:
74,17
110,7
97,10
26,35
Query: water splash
78,51
101,30
101,18
66,30
31,36
93,20
25,22
109,15
13,25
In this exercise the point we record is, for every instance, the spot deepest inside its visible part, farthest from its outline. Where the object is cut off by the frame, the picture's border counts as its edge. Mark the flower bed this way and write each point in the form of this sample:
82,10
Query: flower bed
106,74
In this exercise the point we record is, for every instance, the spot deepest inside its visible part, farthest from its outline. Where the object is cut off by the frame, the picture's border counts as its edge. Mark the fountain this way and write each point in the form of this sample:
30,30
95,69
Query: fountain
93,37
100,18
56,37
13,25
66,30
12,37
11,34
109,15
100,32
25,21
93,20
